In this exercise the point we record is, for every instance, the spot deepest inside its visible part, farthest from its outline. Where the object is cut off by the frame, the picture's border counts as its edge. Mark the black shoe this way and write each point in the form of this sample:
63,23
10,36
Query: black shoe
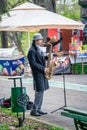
35,113
42,113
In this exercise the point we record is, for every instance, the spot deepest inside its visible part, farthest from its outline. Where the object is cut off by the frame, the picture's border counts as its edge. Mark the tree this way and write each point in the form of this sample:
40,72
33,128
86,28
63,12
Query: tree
14,3
69,8
48,4
3,9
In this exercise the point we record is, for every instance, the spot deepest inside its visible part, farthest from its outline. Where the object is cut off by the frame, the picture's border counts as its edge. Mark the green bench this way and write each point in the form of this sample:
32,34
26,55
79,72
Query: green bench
80,117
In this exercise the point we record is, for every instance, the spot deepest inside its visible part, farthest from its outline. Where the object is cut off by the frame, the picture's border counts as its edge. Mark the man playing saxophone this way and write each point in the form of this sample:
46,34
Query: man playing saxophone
37,63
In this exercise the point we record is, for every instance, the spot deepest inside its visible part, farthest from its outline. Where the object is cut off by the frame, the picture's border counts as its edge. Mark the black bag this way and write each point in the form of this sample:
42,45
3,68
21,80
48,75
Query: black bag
29,105
7,103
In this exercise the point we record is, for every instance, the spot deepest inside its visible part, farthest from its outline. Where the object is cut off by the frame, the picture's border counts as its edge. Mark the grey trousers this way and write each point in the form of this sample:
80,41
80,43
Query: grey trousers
38,100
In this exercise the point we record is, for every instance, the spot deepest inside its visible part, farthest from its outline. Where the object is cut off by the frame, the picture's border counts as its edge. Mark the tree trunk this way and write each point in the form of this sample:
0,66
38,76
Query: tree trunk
3,9
3,6
16,37
49,5
4,40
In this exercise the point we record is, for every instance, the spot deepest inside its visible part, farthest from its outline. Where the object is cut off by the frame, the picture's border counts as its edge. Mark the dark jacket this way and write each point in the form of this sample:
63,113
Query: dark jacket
37,64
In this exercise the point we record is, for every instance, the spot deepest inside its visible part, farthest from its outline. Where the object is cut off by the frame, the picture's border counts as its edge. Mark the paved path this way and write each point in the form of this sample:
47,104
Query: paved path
76,95
60,84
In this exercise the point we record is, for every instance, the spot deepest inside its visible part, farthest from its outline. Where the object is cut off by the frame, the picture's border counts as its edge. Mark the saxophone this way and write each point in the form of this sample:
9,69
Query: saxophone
50,65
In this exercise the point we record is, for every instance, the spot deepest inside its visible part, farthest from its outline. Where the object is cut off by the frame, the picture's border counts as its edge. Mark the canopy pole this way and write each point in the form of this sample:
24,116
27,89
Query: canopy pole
28,39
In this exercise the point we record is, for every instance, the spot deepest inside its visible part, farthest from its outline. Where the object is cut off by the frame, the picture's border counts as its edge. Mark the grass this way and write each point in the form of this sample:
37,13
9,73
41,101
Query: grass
4,127
28,123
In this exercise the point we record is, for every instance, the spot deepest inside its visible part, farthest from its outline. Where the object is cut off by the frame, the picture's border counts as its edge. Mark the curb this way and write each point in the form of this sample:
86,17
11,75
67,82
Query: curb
37,119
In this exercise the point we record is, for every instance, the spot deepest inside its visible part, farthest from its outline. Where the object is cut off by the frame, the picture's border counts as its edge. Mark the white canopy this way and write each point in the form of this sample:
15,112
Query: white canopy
30,17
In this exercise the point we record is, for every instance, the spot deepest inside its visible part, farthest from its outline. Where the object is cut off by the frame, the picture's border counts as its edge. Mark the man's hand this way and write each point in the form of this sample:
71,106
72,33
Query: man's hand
46,70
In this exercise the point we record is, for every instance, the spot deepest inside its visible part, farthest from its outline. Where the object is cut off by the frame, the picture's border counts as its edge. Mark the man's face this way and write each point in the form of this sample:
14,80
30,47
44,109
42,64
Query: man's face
39,42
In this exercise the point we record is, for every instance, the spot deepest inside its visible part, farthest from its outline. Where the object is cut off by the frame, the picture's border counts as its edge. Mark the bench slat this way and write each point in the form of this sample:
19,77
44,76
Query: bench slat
71,110
74,116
